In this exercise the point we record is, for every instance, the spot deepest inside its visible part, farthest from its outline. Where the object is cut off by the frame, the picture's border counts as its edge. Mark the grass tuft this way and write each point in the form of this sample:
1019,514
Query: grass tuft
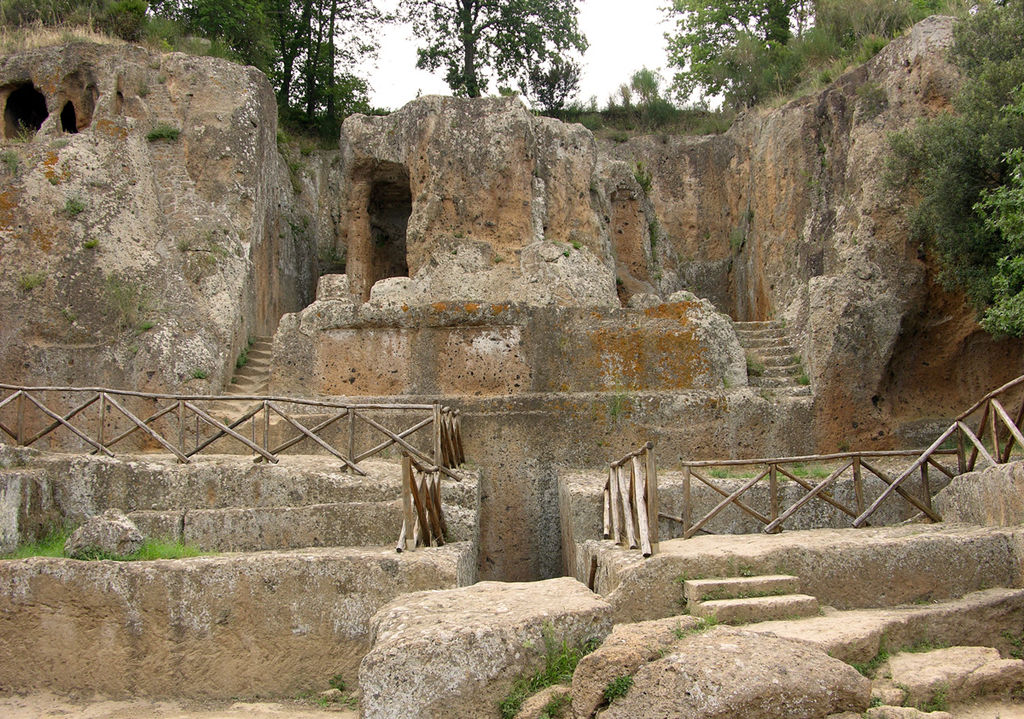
559,664
617,688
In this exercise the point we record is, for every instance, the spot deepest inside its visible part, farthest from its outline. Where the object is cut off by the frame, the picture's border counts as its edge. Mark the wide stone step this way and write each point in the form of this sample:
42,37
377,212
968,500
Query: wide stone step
224,626
757,609
699,590
990,617
254,529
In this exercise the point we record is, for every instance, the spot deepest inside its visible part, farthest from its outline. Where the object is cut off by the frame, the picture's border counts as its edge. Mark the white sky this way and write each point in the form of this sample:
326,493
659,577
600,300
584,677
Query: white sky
624,36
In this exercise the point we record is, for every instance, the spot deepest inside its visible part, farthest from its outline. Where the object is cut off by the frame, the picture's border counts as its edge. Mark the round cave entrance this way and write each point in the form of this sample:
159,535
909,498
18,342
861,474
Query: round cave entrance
25,111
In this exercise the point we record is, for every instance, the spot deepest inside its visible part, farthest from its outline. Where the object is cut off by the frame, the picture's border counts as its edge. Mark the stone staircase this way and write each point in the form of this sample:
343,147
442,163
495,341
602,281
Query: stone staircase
772,362
253,377
741,600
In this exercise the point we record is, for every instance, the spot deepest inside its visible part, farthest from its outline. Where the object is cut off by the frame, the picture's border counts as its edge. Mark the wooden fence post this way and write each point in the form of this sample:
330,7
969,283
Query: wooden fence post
652,497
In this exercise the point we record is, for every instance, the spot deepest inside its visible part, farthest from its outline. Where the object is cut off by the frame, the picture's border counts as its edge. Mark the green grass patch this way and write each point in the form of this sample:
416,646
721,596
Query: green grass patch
163,132
559,664
52,545
74,207
617,688
870,667
556,707
10,160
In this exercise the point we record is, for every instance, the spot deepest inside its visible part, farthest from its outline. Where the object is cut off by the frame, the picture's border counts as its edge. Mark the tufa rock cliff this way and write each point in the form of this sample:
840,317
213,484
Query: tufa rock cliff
788,216
145,218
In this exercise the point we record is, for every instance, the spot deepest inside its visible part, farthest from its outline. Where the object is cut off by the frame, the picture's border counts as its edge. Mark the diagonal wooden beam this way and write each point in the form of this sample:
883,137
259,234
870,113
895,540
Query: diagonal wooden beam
895,484
79,433
739,503
1014,430
147,429
227,430
978,445
780,520
305,430
884,477
825,496
152,418
723,504
67,417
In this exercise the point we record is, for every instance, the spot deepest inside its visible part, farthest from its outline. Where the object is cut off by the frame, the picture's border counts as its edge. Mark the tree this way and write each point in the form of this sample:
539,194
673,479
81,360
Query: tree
304,46
475,39
717,43
553,86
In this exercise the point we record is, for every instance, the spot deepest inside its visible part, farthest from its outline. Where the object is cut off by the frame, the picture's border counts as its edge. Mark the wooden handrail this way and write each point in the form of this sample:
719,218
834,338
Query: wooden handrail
446,451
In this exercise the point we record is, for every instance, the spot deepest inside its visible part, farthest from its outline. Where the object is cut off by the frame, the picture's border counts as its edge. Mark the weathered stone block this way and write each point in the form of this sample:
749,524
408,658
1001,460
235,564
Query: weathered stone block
455,653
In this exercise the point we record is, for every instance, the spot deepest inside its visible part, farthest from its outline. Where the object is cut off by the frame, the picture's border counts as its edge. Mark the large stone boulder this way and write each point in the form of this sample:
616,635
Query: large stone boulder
145,226
108,533
992,497
627,648
726,672
456,653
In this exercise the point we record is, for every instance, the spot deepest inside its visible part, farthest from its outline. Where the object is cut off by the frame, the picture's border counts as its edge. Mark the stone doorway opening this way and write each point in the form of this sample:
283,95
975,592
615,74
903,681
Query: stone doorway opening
69,118
24,111
389,208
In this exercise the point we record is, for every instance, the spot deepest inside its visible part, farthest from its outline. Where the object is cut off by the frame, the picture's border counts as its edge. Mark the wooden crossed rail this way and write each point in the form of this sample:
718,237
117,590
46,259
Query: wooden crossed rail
994,423
997,434
185,425
859,464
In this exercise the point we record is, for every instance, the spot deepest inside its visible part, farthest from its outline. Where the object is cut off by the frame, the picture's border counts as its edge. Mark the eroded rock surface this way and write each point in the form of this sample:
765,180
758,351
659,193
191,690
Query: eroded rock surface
991,497
145,242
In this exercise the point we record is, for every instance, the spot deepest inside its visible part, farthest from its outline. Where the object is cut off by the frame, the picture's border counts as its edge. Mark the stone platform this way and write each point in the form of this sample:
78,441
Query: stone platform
843,568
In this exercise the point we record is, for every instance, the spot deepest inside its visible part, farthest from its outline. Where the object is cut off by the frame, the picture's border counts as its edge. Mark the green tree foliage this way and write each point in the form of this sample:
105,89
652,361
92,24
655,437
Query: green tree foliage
749,50
473,40
1003,212
962,165
717,43
551,87
303,45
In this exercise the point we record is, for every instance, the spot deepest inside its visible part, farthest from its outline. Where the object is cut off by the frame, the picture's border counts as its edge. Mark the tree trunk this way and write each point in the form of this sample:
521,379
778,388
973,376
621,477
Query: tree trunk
469,77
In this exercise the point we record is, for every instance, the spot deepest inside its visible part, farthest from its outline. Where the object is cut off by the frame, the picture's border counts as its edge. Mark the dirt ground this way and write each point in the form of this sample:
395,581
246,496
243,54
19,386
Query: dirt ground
43,705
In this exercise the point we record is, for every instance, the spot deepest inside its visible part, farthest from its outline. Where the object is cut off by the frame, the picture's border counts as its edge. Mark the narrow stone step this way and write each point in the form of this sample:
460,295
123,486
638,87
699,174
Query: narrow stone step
699,590
771,382
758,324
789,370
757,609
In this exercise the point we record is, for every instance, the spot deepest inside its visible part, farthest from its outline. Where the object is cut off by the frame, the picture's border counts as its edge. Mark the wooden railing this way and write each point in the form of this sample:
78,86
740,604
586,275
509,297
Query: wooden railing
994,423
631,501
100,419
422,513
860,466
